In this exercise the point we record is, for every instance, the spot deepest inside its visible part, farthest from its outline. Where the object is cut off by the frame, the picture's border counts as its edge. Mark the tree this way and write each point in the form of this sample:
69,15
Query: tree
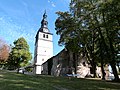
109,11
20,54
4,51
95,25
74,31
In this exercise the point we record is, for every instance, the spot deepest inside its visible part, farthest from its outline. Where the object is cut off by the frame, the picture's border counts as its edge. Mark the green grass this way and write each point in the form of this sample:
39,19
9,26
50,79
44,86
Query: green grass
13,81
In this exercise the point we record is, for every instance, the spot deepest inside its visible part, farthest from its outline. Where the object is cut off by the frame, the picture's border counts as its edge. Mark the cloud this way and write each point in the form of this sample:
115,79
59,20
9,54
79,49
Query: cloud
48,1
66,1
52,3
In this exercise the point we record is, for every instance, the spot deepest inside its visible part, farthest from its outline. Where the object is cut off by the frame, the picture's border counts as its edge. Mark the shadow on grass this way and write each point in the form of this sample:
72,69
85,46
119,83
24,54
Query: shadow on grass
13,81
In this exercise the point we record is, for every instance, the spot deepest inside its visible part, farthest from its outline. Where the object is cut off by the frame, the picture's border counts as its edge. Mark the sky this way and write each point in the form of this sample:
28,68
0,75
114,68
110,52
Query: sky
22,18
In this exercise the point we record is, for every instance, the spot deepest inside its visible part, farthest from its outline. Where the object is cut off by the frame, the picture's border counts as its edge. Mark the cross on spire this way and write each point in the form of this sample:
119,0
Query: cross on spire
44,15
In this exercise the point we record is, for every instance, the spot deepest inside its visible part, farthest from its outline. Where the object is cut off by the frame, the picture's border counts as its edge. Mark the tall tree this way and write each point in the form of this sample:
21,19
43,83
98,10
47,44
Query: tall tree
110,22
20,54
93,26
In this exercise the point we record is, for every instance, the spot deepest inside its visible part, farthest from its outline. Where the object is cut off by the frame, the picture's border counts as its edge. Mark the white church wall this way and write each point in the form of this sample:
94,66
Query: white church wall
41,60
44,36
38,69
43,45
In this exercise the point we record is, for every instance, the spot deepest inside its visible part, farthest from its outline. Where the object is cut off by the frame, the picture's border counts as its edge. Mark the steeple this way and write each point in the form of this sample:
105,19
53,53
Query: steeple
44,24
43,46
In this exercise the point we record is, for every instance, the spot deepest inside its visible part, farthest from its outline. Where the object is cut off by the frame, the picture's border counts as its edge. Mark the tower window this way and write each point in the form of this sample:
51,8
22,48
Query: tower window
42,59
43,35
46,36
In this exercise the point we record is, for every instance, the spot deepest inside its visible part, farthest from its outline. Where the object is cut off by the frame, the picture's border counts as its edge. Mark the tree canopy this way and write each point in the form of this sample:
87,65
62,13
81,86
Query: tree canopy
92,27
20,54
4,51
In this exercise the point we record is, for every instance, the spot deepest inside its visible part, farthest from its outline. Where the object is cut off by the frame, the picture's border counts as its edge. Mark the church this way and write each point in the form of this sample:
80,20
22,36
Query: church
43,46
61,64
58,65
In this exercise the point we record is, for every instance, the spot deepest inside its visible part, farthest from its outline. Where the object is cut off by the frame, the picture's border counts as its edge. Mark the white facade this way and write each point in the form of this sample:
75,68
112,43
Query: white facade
43,46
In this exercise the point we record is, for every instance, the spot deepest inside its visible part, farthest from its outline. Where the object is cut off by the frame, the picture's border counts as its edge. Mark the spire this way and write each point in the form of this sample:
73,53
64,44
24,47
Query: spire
44,15
44,23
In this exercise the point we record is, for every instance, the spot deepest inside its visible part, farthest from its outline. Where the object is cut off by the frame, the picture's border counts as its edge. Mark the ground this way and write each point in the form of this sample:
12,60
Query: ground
14,81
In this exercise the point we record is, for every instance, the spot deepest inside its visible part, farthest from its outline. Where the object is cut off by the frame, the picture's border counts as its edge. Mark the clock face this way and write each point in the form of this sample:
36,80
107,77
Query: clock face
45,30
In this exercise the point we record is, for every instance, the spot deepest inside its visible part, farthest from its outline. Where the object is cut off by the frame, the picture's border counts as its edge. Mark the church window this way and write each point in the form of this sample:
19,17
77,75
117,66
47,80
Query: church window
43,35
42,59
45,23
46,36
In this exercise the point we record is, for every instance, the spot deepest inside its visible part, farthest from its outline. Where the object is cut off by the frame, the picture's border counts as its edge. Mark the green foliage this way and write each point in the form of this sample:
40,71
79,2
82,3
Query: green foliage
20,54
92,27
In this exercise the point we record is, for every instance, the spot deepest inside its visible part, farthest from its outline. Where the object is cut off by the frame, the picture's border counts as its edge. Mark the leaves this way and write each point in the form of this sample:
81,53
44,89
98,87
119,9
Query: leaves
94,25
4,51
20,54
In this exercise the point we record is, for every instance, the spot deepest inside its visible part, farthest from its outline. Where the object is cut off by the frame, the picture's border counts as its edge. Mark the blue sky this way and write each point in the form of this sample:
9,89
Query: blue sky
22,18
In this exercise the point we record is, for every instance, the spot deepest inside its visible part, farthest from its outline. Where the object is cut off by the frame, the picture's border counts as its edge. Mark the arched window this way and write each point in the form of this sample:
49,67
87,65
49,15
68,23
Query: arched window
42,59
43,35
46,36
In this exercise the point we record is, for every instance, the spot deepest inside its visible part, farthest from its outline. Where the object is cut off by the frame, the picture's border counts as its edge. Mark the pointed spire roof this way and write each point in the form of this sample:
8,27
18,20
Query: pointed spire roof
44,24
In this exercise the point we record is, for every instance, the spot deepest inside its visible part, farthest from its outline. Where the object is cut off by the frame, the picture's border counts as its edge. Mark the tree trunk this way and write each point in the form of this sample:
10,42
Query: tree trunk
71,59
75,62
18,70
18,66
94,68
113,61
102,60
103,72
93,64
114,70
111,52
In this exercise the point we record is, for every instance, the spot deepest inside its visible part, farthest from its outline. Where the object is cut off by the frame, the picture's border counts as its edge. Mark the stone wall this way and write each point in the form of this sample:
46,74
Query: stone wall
45,68
83,68
62,64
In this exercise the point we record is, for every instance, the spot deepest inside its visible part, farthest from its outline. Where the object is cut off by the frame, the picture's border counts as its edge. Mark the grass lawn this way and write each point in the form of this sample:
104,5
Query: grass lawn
13,81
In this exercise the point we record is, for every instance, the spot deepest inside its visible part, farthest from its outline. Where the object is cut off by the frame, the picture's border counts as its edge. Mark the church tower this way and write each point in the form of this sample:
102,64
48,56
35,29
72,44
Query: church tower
43,46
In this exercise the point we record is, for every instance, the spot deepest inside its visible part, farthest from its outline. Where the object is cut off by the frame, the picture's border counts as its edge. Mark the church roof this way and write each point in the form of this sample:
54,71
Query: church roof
44,24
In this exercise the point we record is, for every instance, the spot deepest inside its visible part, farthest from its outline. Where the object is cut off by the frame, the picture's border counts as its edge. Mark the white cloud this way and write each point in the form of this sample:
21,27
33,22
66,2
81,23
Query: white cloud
48,1
52,3
66,1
